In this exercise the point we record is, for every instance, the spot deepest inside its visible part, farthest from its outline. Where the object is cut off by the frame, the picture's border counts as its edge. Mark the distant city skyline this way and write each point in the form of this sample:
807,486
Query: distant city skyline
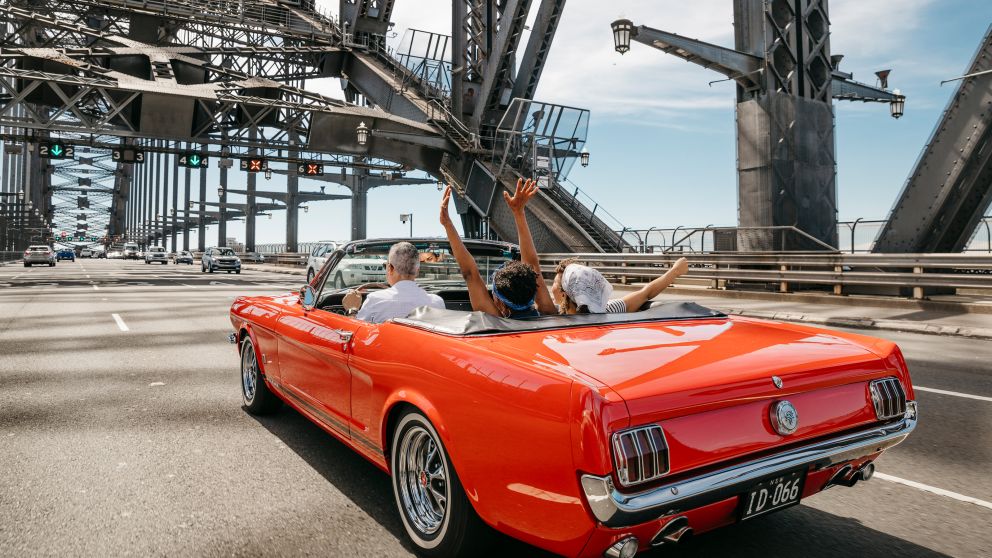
662,137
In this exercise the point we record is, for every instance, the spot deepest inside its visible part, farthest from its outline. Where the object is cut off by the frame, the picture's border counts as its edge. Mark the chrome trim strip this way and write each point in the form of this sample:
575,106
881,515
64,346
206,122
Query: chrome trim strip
616,509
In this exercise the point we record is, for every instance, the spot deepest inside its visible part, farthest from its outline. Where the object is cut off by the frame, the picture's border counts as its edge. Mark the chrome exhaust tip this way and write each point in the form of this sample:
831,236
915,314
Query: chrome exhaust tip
672,532
867,472
626,547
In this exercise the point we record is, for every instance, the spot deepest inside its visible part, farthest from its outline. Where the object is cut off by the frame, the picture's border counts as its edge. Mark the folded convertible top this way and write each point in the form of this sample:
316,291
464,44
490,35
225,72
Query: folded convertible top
454,322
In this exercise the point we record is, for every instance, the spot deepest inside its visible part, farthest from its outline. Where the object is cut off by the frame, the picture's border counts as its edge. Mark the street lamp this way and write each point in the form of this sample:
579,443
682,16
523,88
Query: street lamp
898,105
363,133
404,217
268,174
220,192
306,209
584,157
623,29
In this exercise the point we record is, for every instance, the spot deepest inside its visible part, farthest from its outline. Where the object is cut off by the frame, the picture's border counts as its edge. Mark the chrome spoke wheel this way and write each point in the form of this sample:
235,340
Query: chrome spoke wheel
249,373
422,479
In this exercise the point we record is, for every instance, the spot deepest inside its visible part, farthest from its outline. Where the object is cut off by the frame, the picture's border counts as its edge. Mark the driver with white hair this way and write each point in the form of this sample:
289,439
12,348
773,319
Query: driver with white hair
403,295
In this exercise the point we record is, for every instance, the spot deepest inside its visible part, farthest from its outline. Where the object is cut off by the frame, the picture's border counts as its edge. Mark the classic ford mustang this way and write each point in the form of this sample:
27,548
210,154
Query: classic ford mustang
586,435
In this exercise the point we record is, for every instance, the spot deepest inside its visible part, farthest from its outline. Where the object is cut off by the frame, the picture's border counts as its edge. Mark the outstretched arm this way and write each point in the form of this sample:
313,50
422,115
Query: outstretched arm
528,253
477,291
636,299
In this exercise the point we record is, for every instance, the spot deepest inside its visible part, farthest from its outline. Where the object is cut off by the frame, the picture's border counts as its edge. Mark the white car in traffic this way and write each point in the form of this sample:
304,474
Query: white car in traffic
156,254
318,256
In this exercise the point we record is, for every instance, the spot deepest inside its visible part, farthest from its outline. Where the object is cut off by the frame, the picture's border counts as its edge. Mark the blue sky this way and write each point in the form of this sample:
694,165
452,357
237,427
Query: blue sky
662,140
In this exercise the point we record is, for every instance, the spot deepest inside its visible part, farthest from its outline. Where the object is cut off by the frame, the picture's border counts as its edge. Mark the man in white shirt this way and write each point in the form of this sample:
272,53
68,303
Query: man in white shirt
403,295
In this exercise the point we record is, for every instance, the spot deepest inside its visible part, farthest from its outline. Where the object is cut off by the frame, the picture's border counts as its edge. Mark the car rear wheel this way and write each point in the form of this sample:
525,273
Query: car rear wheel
435,511
255,394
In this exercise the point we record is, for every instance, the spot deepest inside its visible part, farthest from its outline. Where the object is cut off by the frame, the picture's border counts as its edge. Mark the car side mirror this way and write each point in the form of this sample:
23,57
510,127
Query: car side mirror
308,297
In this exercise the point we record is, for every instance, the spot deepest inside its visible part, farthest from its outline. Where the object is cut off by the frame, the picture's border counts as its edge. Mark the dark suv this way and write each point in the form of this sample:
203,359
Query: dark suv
220,259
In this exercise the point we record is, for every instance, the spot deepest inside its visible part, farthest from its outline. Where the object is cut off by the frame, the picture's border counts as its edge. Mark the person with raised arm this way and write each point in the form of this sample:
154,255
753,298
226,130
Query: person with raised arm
514,283
579,289
528,252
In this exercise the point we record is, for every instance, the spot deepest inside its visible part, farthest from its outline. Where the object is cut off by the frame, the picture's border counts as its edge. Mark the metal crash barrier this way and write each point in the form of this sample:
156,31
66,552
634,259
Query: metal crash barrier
835,271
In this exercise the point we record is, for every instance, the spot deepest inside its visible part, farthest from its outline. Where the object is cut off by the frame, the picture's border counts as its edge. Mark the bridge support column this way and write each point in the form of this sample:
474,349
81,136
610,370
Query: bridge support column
174,163
186,199
292,206
222,219
359,204
201,237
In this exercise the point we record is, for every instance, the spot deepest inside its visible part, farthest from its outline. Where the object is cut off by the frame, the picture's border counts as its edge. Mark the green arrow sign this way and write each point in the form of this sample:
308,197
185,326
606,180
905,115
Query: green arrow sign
194,160
57,150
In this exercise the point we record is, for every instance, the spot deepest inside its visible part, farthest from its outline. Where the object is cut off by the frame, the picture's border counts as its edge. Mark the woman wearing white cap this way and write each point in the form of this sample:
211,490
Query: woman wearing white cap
579,289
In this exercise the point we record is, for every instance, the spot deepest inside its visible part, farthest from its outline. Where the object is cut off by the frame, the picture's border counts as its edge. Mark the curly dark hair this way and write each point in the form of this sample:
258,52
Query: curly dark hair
516,281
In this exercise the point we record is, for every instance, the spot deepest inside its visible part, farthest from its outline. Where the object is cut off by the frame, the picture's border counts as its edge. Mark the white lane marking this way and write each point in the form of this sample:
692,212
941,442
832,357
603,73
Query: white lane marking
95,288
120,322
934,490
190,286
16,276
87,276
954,393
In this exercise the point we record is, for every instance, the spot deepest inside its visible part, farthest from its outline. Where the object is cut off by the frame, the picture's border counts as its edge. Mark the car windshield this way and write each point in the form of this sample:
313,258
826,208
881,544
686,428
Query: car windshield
38,248
368,264
225,252
157,249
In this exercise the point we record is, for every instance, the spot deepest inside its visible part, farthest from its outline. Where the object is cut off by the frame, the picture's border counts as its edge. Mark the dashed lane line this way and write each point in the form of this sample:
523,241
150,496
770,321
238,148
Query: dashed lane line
934,490
120,322
954,393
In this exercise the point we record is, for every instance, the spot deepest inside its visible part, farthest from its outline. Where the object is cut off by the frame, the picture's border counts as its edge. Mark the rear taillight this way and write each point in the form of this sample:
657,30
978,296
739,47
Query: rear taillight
889,398
640,454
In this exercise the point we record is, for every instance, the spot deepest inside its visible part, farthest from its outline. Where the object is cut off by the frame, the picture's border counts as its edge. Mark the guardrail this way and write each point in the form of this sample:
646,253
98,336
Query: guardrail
6,257
782,269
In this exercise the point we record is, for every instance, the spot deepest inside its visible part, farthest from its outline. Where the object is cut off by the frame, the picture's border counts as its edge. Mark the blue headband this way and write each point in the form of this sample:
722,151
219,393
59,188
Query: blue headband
510,305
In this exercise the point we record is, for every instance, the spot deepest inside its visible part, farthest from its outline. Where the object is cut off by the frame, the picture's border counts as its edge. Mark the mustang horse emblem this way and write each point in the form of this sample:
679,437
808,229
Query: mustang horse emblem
785,418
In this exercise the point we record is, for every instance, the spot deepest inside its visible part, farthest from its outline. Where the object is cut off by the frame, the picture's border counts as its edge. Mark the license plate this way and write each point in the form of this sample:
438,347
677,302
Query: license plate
773,494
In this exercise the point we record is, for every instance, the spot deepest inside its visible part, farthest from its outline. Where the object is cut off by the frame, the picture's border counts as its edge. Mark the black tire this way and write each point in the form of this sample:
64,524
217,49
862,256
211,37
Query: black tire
459,532
238,272
339,281
210,269
27,265
256,397
203,268
310,274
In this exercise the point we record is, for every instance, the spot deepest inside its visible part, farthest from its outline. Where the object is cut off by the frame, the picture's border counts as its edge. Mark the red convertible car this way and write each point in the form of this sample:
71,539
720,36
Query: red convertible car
587,435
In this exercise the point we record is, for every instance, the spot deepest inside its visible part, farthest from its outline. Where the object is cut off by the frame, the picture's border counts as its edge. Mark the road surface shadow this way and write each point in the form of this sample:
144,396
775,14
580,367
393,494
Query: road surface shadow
797,531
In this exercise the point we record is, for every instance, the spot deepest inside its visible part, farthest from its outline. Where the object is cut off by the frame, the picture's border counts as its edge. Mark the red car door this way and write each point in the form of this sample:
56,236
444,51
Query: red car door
314,348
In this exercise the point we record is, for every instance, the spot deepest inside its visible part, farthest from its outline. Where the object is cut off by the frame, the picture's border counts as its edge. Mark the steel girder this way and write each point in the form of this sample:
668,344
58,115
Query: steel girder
950,187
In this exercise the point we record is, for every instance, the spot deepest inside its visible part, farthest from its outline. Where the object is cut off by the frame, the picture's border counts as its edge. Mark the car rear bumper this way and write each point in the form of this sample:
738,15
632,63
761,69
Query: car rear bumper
616,509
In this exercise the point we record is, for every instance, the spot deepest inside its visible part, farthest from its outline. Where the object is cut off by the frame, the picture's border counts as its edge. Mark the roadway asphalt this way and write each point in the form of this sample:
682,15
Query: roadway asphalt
134,443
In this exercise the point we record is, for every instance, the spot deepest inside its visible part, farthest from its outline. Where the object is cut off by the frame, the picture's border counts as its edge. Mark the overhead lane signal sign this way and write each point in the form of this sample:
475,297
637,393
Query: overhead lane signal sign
193,160
254,164
128,155
56,150
310,169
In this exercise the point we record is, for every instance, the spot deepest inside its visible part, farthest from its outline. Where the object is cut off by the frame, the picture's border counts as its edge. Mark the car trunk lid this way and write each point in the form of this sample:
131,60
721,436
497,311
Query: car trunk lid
711,383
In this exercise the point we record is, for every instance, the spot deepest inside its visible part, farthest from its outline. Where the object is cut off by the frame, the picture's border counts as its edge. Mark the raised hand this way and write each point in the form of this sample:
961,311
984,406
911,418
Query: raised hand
680,266
444,217
524,192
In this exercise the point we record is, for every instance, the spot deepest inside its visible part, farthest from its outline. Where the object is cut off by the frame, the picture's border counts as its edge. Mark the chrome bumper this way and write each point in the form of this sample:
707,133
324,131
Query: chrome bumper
616,509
